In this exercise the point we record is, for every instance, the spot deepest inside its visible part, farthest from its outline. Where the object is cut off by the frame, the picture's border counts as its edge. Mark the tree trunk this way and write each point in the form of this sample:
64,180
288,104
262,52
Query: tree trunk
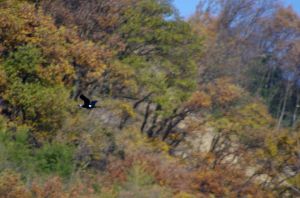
295,111
146,117
76,82
283,106
150,130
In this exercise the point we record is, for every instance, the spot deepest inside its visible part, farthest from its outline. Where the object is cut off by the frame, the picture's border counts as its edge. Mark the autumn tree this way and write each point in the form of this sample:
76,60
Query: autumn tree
249,40
160,55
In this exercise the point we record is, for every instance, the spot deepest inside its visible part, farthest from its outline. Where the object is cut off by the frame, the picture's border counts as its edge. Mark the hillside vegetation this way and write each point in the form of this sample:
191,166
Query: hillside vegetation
230,72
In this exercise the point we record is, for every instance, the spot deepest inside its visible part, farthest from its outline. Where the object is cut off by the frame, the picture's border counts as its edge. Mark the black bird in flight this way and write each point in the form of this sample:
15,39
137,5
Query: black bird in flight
87,104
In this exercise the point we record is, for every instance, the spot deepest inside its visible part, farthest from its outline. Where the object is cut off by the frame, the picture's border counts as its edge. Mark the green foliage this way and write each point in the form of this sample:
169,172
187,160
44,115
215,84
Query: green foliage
160,52
16,153
96,187
139,183
184,195
31,91
15,149
24,64
55,158
138,177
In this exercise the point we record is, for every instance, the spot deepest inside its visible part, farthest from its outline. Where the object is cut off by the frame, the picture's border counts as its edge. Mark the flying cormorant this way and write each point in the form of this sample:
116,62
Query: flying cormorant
87,104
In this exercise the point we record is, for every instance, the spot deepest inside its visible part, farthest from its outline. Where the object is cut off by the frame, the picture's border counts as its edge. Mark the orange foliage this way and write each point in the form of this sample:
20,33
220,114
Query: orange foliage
219,181
52,188
219,93
62,48
11,186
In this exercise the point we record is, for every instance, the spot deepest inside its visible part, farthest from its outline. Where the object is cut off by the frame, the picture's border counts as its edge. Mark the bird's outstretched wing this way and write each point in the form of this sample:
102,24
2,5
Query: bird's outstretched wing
93,103
85,100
